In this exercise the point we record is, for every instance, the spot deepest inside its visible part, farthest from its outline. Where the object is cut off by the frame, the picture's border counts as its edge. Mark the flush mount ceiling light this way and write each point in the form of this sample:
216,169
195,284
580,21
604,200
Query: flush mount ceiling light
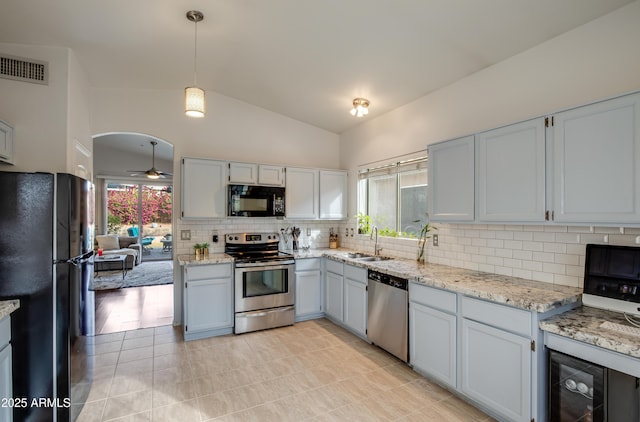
360,107
194,101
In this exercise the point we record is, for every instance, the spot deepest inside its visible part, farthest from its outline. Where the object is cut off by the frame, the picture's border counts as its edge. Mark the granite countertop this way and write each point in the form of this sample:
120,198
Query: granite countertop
524,294
8,306
212,258
583,324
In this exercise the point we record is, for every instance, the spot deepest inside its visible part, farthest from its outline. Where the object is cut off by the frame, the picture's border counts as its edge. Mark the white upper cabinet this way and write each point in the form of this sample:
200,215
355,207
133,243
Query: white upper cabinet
204,188
333,194
302,193
245,173
510,173
596,162
451,180
6,143
270,175
256,174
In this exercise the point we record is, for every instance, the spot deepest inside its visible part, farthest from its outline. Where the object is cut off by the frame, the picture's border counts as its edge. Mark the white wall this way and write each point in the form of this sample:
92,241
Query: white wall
79,141
597,60
38,113
231,130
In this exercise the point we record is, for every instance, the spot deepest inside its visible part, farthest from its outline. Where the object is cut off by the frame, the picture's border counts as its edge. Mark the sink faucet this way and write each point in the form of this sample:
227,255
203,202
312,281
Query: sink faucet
376,248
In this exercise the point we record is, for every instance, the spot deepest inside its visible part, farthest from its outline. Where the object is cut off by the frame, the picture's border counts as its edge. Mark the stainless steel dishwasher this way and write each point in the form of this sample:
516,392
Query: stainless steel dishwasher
388,313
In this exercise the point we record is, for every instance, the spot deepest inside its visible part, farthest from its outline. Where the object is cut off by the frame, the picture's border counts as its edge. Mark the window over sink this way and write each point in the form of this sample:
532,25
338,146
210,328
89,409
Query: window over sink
394,196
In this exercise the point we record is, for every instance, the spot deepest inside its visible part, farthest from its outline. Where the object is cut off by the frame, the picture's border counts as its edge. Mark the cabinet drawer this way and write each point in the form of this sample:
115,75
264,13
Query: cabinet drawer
5,331
307,264
334,266
355,273
504,317
202,272
435,298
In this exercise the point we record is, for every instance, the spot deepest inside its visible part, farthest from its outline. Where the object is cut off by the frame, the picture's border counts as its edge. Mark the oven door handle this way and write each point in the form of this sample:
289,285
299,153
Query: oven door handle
264,313
260,266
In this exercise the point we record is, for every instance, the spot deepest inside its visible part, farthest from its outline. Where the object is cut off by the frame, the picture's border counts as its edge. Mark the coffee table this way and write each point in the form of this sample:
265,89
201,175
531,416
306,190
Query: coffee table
99,261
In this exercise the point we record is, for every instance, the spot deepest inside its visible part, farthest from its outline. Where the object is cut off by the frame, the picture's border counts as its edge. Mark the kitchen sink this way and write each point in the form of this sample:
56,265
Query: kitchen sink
358,255
374,258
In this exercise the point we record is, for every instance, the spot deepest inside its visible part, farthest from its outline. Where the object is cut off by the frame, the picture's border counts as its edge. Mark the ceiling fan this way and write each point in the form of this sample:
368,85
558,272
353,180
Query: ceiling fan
153,172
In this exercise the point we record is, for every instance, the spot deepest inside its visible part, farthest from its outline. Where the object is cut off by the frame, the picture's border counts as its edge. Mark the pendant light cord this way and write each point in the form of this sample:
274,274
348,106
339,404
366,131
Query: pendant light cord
195,55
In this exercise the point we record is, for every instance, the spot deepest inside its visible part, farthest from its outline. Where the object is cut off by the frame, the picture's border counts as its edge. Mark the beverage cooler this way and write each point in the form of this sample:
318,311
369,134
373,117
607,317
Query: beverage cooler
583,391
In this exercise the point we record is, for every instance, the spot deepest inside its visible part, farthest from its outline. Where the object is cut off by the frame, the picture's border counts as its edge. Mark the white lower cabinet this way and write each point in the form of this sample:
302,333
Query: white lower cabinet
208,300
433,333
496,358
334,290
355,299
309,291
346,296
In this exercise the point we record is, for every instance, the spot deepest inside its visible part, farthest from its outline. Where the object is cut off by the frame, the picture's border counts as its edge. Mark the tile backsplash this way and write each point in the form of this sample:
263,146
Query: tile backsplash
548,253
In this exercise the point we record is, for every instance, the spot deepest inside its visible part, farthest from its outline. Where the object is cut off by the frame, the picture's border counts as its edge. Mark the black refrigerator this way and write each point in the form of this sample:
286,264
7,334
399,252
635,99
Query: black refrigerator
46,245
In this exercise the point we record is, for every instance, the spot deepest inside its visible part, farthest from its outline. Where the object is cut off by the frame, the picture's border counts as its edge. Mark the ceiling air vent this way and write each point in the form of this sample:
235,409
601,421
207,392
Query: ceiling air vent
26,70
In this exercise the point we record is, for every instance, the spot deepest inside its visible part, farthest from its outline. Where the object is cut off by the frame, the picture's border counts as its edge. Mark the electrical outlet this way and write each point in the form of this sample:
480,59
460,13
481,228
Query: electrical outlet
215,236
308,231
435,240
185,234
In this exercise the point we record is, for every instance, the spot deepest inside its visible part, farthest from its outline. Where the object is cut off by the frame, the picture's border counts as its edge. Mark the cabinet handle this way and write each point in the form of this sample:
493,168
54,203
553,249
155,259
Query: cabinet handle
546,215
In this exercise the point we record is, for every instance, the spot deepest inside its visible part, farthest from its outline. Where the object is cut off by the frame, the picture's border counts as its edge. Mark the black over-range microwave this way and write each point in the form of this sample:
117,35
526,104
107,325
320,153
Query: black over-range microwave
255,201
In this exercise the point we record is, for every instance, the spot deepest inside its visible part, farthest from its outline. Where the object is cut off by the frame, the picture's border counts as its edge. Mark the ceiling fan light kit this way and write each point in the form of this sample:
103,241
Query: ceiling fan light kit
153,172
194,97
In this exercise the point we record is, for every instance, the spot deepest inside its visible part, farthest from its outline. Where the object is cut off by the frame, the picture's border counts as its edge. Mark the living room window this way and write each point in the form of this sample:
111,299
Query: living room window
394,196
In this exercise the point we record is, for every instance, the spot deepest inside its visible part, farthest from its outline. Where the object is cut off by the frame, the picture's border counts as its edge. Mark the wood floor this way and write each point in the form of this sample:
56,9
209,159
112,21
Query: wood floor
133,308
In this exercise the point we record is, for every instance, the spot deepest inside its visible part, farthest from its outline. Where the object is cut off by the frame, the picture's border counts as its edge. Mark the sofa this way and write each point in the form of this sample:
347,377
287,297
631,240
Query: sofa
112,244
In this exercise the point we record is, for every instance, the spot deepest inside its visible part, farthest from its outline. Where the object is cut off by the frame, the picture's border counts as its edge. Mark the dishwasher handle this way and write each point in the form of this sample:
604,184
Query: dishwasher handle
389,280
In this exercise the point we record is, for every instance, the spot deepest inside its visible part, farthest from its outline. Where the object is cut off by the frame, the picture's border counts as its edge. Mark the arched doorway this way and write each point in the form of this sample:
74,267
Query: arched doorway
134,191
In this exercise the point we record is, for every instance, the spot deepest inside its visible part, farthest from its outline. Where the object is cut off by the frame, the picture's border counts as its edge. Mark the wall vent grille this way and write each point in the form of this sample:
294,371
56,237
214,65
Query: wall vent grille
26,70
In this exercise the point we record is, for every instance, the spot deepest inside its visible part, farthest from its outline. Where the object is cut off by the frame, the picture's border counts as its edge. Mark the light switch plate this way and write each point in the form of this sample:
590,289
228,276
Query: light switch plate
185,234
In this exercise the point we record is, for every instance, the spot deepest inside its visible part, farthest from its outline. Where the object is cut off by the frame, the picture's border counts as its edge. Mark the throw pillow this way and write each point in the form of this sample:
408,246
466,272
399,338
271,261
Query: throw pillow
108,242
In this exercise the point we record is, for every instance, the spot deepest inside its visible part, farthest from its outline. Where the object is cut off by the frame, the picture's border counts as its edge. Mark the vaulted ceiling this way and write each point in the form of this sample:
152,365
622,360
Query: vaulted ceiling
301,58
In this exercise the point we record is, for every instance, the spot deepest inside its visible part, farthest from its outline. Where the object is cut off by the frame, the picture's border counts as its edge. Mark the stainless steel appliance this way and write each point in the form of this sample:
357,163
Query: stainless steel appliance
388,313
612,278
46,244
255,201
583,391
264,282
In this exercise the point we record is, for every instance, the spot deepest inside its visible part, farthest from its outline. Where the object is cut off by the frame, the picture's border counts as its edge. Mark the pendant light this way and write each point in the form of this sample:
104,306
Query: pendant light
194,101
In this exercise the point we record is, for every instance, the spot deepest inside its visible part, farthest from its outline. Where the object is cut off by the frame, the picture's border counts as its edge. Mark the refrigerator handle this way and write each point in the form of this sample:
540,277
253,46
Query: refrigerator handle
77,260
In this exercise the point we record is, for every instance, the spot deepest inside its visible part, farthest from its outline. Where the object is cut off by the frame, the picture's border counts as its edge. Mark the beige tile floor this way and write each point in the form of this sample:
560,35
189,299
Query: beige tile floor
314,371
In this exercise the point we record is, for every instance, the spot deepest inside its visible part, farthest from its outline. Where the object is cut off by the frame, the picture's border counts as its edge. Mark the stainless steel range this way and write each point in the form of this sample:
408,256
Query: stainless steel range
264,282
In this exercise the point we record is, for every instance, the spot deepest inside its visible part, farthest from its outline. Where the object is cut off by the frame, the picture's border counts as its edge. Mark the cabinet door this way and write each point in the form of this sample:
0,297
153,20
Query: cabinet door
270,175
6,143
208,303
302,193
6,383
333,194
432,340
243,173
334,295
496,369
203,188
510,166
355,306
308,293
596,156
451,180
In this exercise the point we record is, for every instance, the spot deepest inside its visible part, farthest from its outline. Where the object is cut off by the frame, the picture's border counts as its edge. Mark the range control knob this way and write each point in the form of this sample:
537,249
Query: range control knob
230,237
235,238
